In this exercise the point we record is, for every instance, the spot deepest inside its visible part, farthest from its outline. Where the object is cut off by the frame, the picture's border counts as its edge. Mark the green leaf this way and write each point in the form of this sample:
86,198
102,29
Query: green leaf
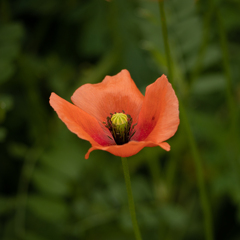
6,205
51,183
174,216
3,133
7,70
11,32
49,209
30,235
17,149
209,83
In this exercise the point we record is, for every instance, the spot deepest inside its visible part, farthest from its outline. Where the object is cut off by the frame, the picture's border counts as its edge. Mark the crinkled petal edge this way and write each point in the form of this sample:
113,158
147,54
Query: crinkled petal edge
128,149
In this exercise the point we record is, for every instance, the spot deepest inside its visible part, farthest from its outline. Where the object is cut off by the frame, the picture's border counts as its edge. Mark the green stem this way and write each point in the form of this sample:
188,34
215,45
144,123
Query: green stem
200,178
28,168
165,39
192,142
130,198
204,43
226,64
232,108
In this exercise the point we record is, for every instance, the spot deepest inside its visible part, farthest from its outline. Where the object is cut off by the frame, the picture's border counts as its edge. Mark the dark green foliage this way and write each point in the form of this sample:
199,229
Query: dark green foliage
47,189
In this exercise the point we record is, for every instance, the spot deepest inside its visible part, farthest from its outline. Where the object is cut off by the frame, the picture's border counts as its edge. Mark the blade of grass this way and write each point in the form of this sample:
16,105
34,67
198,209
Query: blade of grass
232,108
227,72
193,145
204,43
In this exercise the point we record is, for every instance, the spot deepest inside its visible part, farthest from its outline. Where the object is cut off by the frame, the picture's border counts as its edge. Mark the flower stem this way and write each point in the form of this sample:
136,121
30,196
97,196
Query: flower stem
192,142
130,199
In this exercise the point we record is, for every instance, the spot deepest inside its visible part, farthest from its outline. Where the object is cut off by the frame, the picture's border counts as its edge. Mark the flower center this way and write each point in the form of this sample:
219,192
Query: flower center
119,120
120,126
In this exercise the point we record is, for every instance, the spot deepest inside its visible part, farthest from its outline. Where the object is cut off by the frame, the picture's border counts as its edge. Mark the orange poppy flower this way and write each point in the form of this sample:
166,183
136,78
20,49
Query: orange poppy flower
115,117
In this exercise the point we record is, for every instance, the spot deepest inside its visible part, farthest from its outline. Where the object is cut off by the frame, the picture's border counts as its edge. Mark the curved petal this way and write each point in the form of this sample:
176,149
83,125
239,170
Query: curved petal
79,122
113,94
128,149
159,116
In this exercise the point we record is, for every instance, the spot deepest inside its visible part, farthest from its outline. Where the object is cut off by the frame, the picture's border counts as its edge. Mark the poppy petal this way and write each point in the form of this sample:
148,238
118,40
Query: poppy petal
113,94
128,149
165,146
79,122
159,116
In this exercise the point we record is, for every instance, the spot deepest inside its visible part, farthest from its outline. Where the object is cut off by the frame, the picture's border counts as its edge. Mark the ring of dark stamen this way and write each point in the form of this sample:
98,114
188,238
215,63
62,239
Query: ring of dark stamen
121,139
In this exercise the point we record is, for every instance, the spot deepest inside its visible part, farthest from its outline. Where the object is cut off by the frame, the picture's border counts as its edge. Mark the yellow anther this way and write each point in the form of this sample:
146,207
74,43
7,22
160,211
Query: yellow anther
119,119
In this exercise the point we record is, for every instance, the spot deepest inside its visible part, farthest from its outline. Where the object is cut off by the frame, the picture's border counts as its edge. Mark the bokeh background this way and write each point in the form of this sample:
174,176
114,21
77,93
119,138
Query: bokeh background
47,189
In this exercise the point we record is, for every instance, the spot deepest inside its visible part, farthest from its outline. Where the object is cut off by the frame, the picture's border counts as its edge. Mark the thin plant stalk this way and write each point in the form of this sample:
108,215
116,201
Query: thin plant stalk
23,187
227,72
165,40
233,133
200,176
193,145
204,43
130,199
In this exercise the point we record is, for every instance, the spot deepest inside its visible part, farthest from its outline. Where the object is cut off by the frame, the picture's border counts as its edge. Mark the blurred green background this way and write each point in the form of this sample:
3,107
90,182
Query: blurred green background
47,189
